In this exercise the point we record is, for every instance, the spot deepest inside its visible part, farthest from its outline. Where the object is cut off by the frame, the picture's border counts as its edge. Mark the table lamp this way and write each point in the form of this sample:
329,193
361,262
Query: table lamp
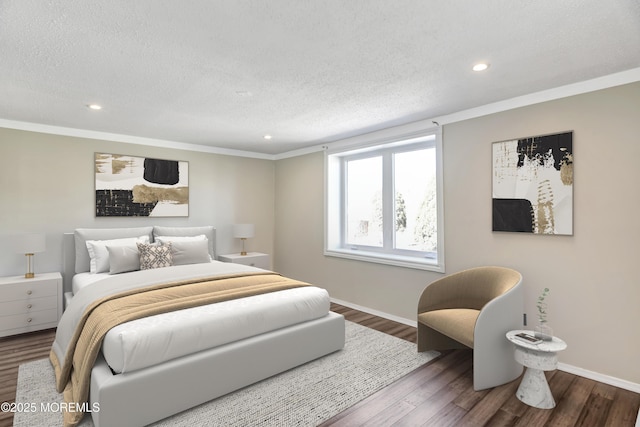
29,244
243,232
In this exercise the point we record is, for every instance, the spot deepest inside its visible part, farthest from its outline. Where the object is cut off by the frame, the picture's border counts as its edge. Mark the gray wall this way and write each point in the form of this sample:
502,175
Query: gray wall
594,281
48,186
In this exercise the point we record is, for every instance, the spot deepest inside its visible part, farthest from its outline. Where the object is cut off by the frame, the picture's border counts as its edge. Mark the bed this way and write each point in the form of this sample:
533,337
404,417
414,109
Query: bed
149,368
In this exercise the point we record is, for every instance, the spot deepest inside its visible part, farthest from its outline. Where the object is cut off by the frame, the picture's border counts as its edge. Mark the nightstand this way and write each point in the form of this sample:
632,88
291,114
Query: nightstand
30,304
254,259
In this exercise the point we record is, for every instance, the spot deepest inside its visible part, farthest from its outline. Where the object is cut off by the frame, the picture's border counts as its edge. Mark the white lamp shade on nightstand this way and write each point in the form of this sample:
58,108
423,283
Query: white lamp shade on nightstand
243,231
29,244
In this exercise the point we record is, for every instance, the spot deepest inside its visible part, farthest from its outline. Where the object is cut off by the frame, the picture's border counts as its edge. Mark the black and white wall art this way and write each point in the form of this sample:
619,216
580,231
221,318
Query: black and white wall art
533,184
140,186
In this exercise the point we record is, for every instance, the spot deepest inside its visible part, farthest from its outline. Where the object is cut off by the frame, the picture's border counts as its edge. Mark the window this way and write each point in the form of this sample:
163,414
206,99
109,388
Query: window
384,203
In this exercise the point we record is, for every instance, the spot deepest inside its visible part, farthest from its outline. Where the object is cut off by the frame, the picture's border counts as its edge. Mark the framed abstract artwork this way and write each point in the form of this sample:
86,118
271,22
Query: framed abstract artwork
141,186
533,184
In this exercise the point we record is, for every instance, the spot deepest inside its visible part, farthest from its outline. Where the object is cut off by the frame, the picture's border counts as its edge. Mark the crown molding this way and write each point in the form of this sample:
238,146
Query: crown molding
604,82
579,88
129,139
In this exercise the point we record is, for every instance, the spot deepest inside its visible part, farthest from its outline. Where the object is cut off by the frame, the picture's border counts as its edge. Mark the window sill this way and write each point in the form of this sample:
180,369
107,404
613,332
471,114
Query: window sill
388,259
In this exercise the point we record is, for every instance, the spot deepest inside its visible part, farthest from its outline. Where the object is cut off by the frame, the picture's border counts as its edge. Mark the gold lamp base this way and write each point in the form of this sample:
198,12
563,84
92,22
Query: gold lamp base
243,252
29,274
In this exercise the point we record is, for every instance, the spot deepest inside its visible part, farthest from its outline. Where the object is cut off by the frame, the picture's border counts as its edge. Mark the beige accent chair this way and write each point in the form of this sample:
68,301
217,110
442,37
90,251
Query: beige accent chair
475,308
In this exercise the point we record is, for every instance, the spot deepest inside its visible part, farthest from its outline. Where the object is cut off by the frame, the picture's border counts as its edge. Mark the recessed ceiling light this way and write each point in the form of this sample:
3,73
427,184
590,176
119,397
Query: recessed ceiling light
95,107
267,137
481,66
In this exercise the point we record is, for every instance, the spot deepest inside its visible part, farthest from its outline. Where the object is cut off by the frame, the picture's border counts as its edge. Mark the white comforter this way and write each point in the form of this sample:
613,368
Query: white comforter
153,340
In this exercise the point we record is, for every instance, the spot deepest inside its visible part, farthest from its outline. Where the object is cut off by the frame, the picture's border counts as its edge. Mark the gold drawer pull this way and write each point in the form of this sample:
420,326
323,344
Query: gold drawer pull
29,292
29,320
29,305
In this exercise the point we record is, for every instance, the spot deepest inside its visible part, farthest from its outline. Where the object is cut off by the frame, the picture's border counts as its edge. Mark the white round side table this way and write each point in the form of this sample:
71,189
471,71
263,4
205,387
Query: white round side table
536,357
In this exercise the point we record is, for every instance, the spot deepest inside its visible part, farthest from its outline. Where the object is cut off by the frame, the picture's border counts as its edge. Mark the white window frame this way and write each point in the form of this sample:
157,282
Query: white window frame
335,189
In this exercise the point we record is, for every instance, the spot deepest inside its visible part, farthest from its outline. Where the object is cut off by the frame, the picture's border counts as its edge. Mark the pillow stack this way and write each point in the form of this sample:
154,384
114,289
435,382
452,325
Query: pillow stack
136,253
125,251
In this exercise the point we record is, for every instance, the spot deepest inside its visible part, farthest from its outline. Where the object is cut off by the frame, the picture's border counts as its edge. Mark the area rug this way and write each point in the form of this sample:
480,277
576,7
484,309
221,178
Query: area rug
304,396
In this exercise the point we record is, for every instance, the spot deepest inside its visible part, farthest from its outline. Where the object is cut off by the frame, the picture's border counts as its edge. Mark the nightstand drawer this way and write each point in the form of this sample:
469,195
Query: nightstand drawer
28,305
257,261
26,320
23,291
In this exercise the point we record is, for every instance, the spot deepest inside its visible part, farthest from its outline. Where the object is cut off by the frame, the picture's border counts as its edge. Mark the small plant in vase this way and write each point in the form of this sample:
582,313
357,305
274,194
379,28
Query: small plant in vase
543,331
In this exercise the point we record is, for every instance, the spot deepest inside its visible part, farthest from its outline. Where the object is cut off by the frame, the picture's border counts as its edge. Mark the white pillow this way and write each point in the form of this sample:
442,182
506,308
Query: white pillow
208,231
99,255
123,259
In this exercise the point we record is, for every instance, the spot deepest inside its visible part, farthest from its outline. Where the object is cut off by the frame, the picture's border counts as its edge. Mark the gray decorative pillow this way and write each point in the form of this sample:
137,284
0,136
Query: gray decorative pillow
189,252
155,256
123,259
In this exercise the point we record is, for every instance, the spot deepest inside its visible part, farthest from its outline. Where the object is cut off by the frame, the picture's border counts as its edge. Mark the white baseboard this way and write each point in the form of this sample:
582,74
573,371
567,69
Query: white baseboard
601,378
605,379
376,313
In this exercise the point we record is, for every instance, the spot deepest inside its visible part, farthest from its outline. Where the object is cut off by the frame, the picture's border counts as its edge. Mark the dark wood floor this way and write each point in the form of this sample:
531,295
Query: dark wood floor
14,351
439,393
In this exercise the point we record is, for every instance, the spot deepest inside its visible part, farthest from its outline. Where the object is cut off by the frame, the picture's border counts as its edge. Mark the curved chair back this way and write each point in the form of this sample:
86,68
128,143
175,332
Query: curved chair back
472,288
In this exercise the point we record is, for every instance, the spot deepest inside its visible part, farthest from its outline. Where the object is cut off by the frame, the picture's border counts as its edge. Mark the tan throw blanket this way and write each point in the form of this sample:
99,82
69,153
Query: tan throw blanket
73,374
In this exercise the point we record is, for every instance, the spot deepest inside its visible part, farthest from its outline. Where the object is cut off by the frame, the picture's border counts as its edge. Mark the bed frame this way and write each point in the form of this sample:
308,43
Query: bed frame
142,397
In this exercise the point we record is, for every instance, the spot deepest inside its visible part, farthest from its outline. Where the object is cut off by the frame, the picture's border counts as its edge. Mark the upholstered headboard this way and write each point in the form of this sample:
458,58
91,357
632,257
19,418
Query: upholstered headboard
75,256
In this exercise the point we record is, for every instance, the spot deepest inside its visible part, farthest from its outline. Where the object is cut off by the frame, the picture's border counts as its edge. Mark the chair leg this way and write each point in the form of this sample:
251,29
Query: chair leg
422,338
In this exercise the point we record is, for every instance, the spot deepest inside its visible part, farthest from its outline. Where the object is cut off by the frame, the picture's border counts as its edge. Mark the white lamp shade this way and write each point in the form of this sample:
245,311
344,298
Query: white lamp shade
30,243
243,231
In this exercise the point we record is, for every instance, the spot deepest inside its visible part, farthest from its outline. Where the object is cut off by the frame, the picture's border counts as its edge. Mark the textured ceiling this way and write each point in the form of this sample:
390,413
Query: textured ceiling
224,73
